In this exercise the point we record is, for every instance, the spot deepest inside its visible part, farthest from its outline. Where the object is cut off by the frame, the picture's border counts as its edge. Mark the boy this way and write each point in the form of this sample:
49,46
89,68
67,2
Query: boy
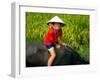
52,37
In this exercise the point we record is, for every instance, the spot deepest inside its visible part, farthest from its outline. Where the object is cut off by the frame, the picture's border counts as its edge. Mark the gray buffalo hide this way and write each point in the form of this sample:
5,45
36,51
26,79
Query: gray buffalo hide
37,55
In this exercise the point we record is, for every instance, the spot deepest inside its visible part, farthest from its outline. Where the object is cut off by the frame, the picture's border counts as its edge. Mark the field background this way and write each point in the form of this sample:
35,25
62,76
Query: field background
75,32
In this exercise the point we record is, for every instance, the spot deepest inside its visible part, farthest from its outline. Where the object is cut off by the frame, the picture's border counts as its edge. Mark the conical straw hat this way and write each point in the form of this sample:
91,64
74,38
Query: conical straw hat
55,19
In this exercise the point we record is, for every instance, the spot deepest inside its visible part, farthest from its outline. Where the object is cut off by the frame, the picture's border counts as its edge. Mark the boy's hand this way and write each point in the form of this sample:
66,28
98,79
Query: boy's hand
58,46
64,44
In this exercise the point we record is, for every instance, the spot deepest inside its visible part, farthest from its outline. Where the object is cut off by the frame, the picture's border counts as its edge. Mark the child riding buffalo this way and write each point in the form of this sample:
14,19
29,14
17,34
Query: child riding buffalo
53,36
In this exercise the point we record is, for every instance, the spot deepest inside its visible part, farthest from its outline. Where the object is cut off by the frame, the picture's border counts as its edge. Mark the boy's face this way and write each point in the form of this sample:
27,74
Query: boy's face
57,26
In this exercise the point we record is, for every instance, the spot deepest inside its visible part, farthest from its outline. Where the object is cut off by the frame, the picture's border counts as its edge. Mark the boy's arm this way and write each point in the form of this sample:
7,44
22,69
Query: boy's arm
62,41
60,37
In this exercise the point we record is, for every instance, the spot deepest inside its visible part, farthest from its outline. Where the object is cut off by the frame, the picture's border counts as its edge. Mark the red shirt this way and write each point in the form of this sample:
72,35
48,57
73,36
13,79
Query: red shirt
52,36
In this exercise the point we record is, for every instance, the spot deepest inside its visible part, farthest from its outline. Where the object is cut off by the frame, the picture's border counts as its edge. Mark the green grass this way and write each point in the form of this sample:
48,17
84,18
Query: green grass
75,32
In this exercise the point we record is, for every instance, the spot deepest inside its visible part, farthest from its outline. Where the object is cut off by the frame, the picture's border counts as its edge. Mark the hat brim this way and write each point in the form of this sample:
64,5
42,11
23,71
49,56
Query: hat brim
63,24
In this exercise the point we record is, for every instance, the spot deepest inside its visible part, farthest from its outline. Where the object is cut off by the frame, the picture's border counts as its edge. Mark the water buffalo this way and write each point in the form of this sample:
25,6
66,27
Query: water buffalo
37,55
